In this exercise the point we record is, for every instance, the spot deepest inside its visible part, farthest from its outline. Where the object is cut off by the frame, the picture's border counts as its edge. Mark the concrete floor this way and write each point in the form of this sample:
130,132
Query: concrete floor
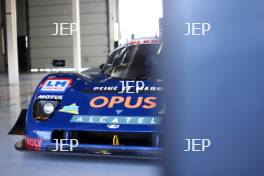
13,163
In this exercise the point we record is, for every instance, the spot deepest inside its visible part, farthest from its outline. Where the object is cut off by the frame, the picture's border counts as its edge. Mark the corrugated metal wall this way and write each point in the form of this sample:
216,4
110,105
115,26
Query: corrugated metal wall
94,32
1,42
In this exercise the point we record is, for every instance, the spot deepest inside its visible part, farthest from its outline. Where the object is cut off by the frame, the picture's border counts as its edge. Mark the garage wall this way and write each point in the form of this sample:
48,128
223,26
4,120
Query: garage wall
21,17
94,32
1,42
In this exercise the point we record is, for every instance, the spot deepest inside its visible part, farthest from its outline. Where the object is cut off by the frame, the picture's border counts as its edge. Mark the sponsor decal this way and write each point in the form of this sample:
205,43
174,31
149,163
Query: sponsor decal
129,87
44,135
113,126
119,111
144,41
103,152
33,143
105,88
114,120
139,102
71,109
49,97
55,85
115,140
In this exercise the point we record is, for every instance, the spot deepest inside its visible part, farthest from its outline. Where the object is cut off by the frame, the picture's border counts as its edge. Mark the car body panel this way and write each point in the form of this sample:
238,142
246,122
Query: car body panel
137,111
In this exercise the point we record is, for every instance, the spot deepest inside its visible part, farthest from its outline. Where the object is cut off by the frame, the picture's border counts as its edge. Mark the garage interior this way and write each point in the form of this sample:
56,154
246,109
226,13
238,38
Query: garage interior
30,49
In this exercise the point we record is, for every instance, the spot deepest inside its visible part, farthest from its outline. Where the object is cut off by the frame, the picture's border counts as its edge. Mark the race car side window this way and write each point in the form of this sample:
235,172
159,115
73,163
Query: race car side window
119,60
137,62
111,60
127,56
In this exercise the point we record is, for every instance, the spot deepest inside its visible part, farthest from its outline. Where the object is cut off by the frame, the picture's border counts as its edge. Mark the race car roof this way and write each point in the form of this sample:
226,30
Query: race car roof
140,41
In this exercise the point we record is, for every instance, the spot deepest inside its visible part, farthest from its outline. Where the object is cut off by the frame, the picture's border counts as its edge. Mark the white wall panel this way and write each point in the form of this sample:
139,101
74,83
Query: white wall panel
47,21
94,32
65,52
86,61
52,2
46,62
65,8
90,29
48,42
47,2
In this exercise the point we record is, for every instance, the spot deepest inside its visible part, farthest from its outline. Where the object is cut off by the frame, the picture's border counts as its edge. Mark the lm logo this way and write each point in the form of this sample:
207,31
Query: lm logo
55,85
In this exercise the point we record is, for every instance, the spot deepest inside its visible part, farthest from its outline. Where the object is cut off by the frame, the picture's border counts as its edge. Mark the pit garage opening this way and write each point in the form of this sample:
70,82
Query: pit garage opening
139,18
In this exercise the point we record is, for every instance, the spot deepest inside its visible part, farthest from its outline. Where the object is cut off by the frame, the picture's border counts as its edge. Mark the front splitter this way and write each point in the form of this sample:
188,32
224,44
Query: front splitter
94,152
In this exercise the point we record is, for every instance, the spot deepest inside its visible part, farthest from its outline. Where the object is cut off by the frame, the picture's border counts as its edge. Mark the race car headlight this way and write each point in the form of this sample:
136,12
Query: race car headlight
43,109
48,108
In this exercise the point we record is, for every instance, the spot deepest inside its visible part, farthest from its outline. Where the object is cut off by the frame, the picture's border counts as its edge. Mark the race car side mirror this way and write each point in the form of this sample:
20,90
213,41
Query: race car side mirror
101,66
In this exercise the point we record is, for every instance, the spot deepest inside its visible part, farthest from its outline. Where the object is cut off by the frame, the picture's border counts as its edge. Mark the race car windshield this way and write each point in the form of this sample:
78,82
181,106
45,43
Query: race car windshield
134,62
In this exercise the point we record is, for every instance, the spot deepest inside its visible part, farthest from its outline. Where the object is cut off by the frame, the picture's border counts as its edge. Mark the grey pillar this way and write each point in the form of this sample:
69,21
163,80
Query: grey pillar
76,36
11,27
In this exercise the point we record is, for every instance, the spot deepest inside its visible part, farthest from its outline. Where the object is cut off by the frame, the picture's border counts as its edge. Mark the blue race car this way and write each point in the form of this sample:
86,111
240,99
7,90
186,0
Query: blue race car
115,111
